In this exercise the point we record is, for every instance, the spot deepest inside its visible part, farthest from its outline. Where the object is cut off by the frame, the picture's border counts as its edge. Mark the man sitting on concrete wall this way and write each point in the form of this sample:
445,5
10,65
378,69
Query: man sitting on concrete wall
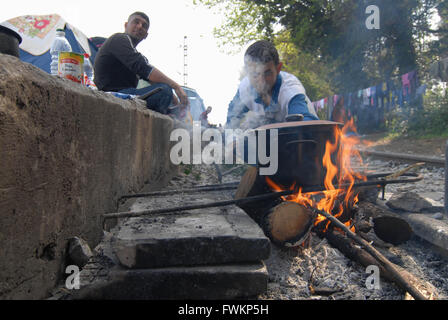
118,67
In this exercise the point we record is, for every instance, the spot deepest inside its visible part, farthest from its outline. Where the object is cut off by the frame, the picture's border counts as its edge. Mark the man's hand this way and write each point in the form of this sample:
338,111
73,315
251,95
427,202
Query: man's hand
158,76
181,95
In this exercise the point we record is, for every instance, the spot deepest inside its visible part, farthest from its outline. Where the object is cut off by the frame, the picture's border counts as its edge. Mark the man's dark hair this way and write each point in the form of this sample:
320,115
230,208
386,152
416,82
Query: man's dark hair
141,14
262,51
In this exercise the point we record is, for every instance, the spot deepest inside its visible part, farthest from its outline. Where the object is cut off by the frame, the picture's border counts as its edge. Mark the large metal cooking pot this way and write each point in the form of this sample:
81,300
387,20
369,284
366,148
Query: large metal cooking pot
9,41
301,149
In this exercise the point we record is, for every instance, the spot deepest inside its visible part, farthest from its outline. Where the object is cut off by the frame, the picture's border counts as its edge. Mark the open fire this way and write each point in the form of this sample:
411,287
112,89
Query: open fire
332,200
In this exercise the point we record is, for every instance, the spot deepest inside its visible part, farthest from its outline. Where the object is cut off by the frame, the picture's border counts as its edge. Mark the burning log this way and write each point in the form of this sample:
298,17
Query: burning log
252,184
285,223
387,225
288,223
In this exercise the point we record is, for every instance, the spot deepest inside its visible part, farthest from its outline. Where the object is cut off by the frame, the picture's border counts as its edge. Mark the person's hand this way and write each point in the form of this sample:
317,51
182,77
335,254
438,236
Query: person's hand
182,96
175,100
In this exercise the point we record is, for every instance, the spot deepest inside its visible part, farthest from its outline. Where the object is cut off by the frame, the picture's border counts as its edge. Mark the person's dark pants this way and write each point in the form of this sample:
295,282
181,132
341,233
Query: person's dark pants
158,102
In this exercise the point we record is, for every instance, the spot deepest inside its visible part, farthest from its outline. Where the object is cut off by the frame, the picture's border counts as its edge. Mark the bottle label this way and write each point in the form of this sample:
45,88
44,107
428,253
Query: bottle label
70,66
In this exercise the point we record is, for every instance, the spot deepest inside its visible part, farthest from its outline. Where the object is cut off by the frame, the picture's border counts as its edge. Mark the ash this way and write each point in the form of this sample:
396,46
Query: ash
290,271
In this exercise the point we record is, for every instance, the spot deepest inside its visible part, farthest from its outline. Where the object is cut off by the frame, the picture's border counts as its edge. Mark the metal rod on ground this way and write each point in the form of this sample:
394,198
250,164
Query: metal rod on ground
234,185
211,187
232,170
196,206
408,287
246,200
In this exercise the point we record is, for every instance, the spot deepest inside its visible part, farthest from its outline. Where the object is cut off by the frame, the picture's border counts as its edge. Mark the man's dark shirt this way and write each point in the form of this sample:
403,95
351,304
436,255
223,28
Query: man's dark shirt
118,64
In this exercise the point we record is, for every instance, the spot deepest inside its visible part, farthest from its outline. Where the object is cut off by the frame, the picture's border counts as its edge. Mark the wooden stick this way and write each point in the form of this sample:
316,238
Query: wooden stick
386,264
401,172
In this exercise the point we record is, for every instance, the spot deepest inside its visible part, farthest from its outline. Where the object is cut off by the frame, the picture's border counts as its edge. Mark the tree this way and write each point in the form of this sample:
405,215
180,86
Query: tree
334,34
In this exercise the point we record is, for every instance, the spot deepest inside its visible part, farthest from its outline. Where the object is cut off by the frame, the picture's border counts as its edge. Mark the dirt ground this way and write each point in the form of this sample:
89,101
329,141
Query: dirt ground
434,147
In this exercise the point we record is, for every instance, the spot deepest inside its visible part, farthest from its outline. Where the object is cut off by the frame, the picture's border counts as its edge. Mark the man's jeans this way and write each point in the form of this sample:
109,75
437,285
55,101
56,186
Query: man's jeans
158,102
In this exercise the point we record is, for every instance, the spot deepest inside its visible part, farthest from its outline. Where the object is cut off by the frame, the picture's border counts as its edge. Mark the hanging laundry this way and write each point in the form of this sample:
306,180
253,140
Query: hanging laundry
335,100
407,84
373,96
380,95
421,90
366,96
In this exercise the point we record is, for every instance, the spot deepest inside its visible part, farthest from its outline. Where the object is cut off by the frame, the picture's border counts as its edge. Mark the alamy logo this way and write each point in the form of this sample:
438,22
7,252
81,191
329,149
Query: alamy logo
373,281
373,20
72,281
238,147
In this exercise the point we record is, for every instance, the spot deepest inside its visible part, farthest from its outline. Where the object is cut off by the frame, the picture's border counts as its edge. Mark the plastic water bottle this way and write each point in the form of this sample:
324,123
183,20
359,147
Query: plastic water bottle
88,71
60,43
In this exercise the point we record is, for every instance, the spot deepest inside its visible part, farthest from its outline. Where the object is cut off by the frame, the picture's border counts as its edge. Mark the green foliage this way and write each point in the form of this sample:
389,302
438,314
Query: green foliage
333,32
307,67
430,121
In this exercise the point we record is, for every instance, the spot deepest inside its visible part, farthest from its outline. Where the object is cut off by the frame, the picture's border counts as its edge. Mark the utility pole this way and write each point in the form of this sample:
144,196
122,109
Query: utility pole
185,60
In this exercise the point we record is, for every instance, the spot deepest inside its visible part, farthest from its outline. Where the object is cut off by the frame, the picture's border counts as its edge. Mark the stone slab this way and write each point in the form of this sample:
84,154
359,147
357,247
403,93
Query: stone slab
408,201
200,237
432,230
101,280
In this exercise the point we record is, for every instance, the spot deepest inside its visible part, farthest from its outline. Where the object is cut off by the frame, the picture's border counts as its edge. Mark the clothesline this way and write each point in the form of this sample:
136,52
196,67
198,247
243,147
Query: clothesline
389,94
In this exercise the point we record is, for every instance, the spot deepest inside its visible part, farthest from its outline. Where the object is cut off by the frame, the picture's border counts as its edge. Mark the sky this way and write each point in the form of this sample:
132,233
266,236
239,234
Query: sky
213,73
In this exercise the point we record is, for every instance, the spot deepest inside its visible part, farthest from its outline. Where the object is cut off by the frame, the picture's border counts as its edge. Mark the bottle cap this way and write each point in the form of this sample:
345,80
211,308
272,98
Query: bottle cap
86,55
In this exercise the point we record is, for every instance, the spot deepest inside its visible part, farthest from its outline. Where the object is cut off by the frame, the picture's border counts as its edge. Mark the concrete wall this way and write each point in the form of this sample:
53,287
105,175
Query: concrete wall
67,153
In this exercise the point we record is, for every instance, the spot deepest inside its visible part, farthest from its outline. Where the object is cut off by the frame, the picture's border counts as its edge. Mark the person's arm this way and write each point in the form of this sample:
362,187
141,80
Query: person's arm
125,52
298,105
158,76
236,110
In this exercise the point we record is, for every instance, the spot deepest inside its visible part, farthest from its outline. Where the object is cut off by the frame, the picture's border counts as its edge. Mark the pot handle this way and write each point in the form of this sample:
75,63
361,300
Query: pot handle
301,141
294,117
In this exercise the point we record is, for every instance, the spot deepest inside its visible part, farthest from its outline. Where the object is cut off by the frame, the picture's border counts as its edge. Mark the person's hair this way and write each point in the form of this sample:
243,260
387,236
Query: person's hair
262,51
141,14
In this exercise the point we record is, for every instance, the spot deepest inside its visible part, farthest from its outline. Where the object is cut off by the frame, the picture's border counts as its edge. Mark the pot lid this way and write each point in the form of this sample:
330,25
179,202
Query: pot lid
297,124
11,32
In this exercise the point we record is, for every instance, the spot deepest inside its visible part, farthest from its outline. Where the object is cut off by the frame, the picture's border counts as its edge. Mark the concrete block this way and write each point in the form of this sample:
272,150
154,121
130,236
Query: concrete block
99,281
205,237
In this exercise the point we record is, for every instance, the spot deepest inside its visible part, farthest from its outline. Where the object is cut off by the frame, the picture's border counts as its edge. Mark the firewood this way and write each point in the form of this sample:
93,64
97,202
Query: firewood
387,225
402,172
251,184
402,278
361,256
288,223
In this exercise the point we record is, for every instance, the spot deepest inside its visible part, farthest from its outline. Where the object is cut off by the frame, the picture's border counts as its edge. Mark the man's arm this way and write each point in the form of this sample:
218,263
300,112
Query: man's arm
158,76
236,110
124,50
298,105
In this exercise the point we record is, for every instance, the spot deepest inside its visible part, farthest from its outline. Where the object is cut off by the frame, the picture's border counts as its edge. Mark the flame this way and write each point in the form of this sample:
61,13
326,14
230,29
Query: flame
342,150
